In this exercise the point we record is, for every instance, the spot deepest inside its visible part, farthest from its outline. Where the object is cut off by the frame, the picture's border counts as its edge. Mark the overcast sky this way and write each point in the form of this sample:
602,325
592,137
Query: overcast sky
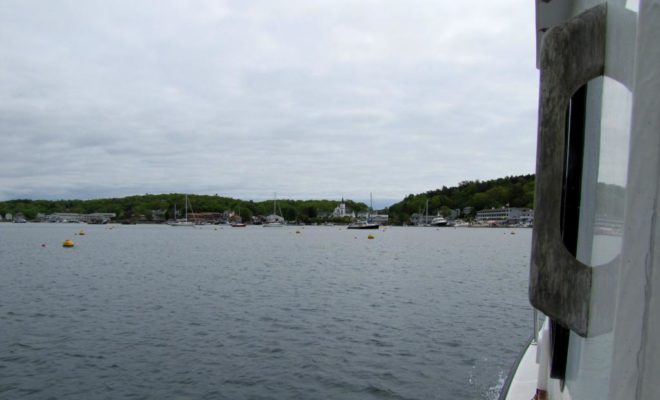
309,99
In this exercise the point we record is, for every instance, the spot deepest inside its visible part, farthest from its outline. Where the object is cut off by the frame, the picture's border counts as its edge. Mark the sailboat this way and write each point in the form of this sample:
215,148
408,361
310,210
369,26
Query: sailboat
274,220
183,222
368,224
238,223
424,216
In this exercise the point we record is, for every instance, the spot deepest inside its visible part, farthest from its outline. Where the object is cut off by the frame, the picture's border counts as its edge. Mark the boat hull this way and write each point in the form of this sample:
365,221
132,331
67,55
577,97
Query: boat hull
365,226
181,224
522,380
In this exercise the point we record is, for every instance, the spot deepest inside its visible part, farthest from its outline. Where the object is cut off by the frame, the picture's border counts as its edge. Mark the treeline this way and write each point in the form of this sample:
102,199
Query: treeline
141,207
516,191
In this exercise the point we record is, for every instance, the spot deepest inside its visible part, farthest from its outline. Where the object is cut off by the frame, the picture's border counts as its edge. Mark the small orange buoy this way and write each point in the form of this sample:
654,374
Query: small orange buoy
68,243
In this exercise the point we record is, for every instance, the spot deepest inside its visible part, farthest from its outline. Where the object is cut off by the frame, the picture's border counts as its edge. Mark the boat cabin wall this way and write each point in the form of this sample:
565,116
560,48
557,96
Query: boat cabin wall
617,356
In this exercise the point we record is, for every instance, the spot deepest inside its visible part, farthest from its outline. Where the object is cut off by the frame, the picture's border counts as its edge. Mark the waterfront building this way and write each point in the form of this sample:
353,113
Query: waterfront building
527,216
381,219
208,217
375,218
342,211
19,217
158,215
75,217
420,219
505,215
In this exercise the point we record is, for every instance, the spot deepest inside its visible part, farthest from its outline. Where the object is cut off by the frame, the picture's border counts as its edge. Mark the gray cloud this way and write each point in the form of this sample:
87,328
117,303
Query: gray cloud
309,99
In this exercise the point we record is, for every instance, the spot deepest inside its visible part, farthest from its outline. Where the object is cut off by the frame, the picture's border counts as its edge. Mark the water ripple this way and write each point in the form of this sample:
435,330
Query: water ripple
147,312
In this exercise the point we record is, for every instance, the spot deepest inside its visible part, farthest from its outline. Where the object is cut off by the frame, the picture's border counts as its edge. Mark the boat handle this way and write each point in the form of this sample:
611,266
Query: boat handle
571,55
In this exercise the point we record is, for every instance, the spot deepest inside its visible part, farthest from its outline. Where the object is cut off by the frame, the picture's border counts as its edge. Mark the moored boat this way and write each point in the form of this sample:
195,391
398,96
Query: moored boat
363,225
439,221
183,222
274,220
368,223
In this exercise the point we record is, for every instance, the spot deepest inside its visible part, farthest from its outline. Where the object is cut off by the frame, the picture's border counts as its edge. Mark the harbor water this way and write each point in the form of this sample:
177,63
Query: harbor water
211,312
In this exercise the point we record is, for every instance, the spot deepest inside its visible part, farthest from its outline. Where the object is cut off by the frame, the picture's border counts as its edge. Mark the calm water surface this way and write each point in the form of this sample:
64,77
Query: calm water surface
155,312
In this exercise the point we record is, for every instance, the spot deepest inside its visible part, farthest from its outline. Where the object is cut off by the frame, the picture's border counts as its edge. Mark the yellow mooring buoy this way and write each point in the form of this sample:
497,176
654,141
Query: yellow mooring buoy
68,243
371,236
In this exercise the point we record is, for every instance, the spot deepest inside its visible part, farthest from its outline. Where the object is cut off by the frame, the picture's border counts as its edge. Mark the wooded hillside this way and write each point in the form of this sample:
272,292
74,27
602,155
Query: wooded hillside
516,191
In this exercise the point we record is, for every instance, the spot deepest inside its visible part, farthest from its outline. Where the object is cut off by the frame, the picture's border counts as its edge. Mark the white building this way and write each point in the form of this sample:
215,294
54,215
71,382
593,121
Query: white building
505,215
342,211
75,217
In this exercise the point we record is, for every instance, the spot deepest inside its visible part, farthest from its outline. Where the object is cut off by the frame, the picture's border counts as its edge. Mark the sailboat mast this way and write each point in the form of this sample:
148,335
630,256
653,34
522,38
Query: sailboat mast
371,207
274,203
186,208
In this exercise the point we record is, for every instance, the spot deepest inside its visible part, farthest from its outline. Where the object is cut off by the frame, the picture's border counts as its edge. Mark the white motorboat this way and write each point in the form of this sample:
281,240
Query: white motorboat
439,221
